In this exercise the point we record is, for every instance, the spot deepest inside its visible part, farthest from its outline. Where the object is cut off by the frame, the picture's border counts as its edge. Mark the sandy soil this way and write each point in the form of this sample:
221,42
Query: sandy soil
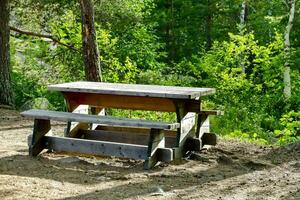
231,170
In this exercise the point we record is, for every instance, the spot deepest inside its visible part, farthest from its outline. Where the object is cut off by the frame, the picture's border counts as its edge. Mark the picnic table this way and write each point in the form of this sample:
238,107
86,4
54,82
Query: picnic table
91,131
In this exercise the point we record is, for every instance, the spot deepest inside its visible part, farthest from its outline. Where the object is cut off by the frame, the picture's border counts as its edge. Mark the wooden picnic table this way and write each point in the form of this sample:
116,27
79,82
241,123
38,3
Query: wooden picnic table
191,127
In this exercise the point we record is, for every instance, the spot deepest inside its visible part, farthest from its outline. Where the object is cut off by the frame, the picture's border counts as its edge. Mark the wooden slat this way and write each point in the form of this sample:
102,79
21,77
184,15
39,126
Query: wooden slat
83,118
129,102
211,112
96,147
133,130
138,152
133,89
124,137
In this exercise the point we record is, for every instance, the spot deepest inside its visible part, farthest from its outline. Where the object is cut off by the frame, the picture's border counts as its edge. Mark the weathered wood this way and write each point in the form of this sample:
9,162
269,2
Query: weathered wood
203,125
209,139
192,144
133,90
129,102
83,118
211,112
96,147
134,130
186,130
124,137
156,140
186,120
40,129
187,127
74,145
73,127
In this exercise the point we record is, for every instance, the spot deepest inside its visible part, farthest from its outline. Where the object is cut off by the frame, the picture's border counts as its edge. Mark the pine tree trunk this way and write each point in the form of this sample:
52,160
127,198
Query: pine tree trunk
208,26
89,42
5,80
287,69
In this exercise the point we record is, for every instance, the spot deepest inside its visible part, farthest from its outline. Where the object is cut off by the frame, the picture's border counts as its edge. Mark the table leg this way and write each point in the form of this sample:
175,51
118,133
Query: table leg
156,140
203,130
186,130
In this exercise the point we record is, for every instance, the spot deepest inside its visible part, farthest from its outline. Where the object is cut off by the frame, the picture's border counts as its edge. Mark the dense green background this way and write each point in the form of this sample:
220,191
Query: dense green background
170,42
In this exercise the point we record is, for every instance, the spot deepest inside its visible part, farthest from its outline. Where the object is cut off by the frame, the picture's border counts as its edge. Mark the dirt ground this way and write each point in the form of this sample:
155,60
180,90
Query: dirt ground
231,170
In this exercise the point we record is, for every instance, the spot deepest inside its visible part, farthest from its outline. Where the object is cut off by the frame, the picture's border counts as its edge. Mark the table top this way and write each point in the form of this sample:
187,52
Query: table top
133,90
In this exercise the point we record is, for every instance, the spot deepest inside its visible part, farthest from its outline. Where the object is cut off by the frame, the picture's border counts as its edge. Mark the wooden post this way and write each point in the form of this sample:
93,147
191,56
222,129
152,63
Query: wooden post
40,129
156,140
186,130
73,127
202,125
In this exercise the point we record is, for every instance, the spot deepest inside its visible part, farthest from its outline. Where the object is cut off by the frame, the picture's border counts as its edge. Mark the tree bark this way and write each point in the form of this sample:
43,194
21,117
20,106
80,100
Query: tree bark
243,14
89,42
208,26
5,80
287,50
243,17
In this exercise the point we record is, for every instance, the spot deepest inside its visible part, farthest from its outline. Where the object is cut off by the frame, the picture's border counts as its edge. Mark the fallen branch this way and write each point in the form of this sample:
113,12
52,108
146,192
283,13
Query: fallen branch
55,40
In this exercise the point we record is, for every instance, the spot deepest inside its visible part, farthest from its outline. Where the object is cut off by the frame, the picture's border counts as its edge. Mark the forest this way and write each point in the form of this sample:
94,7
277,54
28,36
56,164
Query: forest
248,50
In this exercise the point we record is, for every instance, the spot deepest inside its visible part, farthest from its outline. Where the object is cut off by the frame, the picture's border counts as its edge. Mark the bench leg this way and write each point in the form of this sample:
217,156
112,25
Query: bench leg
203,131
41,128
156,140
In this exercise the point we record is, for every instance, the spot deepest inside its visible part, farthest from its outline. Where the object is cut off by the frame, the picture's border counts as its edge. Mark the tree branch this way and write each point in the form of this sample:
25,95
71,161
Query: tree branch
55,40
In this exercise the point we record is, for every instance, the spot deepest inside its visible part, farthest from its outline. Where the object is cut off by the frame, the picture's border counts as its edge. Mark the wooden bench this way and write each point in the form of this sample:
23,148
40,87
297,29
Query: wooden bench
152,153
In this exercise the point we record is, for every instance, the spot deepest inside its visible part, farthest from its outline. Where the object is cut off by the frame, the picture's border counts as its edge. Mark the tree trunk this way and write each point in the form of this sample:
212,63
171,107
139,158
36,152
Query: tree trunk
5,80
89,42
287,50
243,17
208,26
270,13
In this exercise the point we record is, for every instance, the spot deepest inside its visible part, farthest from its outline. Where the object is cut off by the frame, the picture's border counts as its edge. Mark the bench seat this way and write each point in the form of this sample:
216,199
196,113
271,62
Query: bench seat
105,120
152,153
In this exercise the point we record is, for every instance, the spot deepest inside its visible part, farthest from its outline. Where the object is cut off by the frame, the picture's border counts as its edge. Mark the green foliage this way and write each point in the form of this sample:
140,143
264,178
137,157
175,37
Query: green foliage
182,43
252,100
290,128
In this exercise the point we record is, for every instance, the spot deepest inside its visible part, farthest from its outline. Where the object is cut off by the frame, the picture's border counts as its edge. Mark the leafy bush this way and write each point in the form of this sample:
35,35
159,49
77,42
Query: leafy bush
290,130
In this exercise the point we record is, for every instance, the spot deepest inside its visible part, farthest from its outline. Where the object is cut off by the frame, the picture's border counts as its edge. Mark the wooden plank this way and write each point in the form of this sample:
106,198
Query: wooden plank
130,102
133,130
113,121
203,125
156,140
133,89
192,144
74,145
124,137
40,129
209,139
187,126
211,112
96,147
